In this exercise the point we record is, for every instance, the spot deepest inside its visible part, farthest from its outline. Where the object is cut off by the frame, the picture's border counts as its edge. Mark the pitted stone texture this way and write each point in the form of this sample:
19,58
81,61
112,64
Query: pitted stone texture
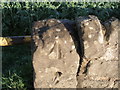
112,28
91,34
100,64
55,59
100,68
98,84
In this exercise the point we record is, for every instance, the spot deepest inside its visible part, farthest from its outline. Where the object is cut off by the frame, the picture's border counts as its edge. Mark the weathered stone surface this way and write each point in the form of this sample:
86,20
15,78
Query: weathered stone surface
91,36
98,84
58,48
99,67
55,59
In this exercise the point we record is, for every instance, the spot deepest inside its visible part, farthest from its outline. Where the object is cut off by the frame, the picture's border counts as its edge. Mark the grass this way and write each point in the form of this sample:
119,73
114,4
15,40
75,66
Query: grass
17,67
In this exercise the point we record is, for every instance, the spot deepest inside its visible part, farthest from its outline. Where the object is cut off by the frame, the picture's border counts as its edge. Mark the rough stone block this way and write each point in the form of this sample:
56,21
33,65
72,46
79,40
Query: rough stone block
91,35
100,52
55,59
61,53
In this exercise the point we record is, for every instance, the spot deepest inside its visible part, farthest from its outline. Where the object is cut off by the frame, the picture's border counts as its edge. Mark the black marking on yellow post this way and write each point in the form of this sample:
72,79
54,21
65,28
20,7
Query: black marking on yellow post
13,40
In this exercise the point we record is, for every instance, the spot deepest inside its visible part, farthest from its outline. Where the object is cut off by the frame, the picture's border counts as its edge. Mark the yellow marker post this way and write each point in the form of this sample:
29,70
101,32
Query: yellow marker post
12,40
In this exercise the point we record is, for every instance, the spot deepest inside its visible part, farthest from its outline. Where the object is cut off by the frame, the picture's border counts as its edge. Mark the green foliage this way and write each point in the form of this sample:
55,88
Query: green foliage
19,16
17,67
13,81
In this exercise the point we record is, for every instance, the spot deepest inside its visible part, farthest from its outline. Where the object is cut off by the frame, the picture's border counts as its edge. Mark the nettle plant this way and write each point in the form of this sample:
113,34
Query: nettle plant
19,16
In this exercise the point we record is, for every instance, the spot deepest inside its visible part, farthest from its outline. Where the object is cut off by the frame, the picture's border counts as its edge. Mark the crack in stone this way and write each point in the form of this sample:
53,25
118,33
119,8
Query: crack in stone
79,39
